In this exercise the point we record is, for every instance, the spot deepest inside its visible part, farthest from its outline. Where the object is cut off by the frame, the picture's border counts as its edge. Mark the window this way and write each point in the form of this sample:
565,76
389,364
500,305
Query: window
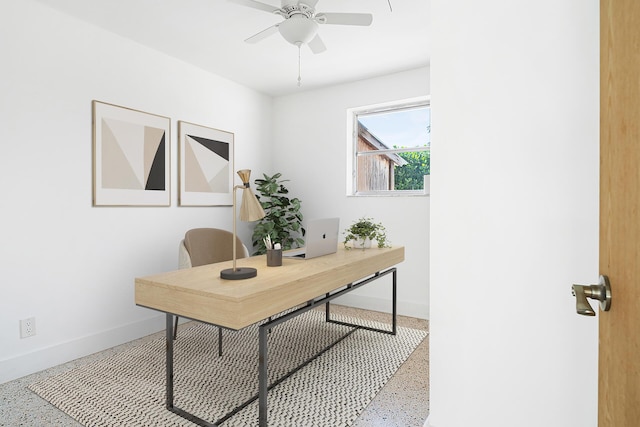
390,149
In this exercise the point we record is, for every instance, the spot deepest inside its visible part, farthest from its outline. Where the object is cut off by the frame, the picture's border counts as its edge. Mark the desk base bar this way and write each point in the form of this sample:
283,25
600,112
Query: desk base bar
367,328
263,330
190,417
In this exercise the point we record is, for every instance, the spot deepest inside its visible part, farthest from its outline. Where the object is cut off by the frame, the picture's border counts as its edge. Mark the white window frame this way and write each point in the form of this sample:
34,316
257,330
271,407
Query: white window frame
352,147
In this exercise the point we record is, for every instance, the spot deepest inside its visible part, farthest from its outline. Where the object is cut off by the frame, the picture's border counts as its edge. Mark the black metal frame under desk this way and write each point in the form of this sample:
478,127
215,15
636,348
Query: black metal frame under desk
263,330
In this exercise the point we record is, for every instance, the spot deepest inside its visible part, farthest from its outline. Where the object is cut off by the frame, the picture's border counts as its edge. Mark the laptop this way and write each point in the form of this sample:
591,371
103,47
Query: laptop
321,238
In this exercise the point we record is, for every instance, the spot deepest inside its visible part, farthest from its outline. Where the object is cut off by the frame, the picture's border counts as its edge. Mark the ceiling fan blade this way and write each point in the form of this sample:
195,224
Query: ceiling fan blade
257,5
344,18
263,34
317,45
311,3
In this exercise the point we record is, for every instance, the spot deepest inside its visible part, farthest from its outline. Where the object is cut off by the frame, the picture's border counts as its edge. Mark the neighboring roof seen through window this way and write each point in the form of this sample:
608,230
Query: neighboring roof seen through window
399,129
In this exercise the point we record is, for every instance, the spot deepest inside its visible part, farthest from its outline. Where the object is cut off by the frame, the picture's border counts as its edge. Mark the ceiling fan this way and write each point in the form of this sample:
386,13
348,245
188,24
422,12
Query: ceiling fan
300,25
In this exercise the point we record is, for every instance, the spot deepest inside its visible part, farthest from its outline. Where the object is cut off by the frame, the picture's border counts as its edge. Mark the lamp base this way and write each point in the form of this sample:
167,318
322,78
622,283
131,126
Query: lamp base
239,273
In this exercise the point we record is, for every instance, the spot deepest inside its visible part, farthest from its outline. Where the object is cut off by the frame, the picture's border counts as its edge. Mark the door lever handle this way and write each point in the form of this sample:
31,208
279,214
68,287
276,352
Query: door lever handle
600,292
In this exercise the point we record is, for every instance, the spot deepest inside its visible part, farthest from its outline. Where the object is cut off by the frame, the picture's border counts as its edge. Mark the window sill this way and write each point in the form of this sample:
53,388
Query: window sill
418,193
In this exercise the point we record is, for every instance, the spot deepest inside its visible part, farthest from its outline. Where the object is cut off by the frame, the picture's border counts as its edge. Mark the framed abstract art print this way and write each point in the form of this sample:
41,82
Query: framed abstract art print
206,166
131,157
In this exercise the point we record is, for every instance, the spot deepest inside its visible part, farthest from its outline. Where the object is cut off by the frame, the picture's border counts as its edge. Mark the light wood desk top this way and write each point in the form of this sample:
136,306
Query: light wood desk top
199,293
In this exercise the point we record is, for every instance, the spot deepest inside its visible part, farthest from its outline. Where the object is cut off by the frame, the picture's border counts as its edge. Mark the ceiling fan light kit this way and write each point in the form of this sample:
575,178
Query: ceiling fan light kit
298,30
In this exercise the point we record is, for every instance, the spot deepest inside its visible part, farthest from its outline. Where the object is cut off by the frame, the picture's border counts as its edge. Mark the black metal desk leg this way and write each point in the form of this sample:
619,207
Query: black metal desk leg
394,298
169,357
263,385
327,309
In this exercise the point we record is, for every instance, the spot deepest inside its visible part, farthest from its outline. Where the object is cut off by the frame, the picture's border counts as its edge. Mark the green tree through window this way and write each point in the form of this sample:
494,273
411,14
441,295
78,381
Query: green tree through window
411,175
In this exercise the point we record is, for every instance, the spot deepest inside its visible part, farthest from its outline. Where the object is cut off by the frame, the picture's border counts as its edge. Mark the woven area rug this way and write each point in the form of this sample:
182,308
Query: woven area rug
128,389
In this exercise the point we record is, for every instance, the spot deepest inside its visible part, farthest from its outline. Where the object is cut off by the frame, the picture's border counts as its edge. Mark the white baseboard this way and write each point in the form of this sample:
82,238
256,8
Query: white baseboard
405,308
44,358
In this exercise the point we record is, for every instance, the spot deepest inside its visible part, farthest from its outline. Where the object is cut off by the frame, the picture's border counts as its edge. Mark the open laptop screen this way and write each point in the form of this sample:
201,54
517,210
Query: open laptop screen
321,238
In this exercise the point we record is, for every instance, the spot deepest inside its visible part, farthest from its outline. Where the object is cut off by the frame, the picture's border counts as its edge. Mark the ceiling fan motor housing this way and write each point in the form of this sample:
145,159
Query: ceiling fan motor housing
298,9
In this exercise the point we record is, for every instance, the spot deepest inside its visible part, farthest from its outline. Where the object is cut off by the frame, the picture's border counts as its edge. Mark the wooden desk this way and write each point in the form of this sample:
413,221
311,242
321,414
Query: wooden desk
200,294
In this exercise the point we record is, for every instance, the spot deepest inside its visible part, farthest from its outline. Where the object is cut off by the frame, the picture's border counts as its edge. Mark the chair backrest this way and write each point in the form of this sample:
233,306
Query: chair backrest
209,245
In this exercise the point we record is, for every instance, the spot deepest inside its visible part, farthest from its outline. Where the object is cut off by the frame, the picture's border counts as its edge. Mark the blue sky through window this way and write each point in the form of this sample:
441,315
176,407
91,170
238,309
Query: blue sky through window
404,128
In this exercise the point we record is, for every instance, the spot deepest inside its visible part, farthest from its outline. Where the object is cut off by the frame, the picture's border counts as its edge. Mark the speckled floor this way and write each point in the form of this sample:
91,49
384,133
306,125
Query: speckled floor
403,402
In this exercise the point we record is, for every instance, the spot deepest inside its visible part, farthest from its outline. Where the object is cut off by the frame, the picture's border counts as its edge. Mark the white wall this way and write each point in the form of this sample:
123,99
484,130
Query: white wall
310,149
70,265
514,215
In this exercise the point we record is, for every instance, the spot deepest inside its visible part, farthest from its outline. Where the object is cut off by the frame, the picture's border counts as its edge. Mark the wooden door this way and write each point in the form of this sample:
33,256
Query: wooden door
619,354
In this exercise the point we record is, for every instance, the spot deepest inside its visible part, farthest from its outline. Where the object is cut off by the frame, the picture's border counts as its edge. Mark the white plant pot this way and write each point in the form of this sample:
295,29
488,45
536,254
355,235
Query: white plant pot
360,244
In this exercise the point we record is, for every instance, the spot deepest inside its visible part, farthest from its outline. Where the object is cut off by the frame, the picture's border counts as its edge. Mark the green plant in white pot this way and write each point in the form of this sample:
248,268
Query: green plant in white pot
363,231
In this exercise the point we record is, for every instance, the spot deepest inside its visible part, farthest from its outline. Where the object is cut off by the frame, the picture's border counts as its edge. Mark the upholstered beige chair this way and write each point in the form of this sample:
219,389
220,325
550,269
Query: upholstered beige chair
202,246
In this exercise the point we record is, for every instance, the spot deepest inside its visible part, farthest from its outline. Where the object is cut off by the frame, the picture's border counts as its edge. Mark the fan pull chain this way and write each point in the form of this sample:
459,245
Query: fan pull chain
299,76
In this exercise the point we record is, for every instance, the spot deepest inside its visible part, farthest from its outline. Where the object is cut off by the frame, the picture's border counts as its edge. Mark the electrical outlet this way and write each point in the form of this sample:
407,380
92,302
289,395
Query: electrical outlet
28,327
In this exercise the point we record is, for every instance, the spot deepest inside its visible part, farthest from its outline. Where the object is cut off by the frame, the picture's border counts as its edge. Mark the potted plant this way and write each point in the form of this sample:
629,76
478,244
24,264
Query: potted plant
283,220
363,231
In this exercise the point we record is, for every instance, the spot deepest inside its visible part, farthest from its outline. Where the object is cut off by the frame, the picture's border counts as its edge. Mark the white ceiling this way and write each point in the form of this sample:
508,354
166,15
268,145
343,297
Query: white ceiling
210,34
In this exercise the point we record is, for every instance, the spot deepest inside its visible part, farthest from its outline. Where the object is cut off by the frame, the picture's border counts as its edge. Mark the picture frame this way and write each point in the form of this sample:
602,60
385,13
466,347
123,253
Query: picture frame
131,157
206,163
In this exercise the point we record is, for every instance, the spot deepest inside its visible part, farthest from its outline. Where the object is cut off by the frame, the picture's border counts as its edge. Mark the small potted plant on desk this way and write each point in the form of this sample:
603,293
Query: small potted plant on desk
363,231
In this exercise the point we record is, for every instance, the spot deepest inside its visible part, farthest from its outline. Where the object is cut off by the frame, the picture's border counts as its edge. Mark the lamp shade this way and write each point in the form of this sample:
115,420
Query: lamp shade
250,208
